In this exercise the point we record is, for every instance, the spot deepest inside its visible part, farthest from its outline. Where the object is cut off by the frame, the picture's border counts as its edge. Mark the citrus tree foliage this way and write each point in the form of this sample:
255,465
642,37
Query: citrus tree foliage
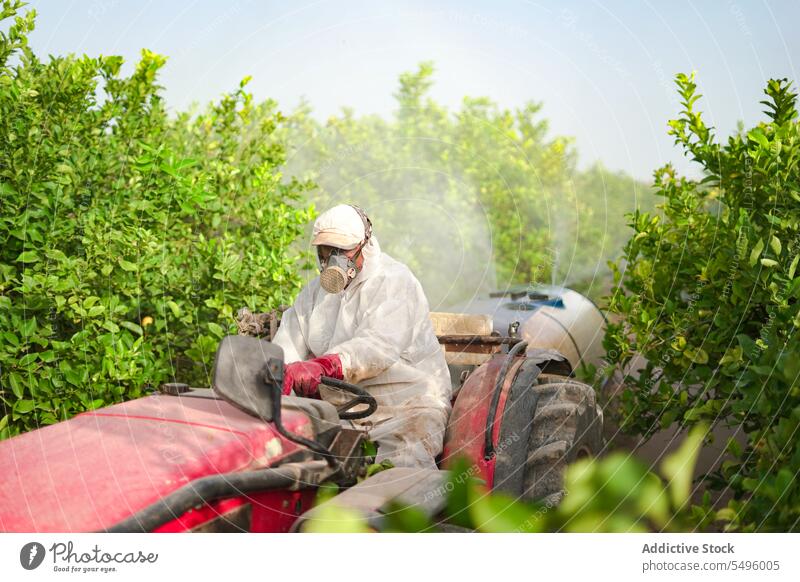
708,294
470,199
128,238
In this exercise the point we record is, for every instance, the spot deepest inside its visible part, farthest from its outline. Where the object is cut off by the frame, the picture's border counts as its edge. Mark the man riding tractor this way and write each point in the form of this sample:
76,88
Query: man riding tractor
365,320
240,456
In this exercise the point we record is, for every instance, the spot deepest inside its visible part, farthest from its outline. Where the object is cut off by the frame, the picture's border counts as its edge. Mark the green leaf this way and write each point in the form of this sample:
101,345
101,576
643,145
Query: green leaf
28,327
678,344
376,468
369,448
793,267
756,252
24,406
694,414
176,310
748,345
698,355
457,492
775,245
334,518
499,513
678,468
725,514
28,257
132,327
89,301
216,329
653,500
110,326
17,386
127,265
783,482
757,135
406,518
769,263
750,484
73,377
732,355
27,359
96,310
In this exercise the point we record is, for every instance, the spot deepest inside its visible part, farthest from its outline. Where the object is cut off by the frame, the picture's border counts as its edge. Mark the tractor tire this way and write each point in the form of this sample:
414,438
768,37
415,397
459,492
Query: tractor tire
568,425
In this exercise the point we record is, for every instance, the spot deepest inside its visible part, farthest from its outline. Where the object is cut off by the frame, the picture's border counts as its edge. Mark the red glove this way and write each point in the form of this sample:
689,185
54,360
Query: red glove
304,377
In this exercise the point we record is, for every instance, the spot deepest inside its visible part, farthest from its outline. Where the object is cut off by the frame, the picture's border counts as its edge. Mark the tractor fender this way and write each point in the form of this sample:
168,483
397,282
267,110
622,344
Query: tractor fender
502,465
466,430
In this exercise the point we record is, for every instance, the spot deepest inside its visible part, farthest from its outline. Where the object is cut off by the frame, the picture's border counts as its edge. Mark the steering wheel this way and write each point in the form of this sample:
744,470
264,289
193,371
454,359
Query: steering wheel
362,397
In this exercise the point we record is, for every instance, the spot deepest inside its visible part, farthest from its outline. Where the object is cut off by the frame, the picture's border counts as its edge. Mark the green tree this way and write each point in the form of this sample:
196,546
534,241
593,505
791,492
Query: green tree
708,295
128,238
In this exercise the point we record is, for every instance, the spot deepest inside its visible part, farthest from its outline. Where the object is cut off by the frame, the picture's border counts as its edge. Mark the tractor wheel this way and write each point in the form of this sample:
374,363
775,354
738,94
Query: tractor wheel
568,425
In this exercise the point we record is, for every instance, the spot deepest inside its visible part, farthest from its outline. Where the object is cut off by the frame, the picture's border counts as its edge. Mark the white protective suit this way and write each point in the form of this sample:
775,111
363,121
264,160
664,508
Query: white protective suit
380,327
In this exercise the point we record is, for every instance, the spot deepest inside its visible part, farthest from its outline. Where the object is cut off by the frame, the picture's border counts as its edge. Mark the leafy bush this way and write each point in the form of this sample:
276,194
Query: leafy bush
128,238
708,295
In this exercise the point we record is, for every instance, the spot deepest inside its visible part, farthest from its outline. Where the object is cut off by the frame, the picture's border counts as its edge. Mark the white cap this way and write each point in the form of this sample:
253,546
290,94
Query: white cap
340,227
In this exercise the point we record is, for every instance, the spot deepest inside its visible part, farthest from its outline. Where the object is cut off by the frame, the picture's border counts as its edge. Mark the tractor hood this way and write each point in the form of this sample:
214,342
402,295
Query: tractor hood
96,469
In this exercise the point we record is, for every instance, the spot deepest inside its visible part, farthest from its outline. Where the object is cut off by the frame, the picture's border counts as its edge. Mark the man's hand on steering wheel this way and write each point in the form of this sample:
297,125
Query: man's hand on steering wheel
304,377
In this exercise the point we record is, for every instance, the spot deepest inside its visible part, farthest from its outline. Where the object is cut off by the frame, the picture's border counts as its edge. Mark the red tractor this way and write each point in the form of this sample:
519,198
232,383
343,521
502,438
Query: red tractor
242,457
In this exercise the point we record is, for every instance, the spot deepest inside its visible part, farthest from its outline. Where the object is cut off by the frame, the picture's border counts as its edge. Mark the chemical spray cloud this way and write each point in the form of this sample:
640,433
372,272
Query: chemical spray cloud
470,199
425,217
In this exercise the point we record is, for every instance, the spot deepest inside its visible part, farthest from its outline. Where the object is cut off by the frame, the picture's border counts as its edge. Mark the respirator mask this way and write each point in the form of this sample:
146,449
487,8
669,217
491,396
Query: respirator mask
338,269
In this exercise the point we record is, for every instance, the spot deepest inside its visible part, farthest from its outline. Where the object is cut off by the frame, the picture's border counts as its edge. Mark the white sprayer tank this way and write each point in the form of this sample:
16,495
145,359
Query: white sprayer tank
550,317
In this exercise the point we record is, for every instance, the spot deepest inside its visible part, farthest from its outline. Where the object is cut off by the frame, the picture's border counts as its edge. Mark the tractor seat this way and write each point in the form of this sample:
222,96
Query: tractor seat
466,324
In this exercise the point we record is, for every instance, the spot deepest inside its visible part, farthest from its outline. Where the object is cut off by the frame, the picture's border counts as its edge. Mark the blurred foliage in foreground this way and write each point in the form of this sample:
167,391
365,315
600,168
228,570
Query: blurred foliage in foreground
128,238
709,294
471,199
611,494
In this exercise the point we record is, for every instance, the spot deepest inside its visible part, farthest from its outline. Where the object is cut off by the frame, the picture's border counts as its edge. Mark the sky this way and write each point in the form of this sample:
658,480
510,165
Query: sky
603,70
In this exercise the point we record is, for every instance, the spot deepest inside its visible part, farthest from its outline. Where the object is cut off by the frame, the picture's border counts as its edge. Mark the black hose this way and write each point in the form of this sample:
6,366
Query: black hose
314,446
202,491
488,445
362,397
